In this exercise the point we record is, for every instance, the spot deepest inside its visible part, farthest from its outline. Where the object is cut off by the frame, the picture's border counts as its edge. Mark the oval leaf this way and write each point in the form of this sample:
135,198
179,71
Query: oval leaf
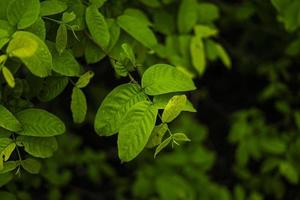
8,121
50,7
135,130
37,146
160,101
97,26
40,123
161,79
8,76
114,107
23,13
84,79
31,165
61,38
78,105
198,54
173,108
157,135
138,30
52,87
32,51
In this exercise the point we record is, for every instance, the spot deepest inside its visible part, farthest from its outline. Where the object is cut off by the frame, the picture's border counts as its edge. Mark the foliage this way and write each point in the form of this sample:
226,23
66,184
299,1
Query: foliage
143,61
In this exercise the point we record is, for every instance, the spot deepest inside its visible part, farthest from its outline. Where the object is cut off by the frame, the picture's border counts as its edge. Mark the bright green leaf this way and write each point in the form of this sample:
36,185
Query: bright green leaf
174,108
160,101
52,7
32,51
114,107
23,13
78,105
135,130
180,137
97,26
40,123
8,76
68,17
198,54
162,78
8,120
129,52
138,30
61,38
84,79
162,145
157,134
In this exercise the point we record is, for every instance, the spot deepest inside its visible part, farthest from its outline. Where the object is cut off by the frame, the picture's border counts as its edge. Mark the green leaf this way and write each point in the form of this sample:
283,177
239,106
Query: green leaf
22,45
135,130
114,30
3,59
114,107
174,108
157,134
84,79
31,165
40,123
52,7
93,53
8,120
78,105
129,53
203,31
32,51
198,54
8,76
64,63
160,101
8,167
138,30
38,28
61,38
223,56
7,146
162,145
187,15
161,79
289,172
140,15
52,87
180,137
23,13
38,146
97,26
68,17
6,30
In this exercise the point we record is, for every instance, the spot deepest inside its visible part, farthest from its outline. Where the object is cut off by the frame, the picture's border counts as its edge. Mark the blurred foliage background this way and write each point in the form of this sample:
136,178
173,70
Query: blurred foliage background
245,135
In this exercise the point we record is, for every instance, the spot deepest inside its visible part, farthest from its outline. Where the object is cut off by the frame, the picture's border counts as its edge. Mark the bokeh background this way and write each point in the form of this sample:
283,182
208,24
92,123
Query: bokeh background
245,136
